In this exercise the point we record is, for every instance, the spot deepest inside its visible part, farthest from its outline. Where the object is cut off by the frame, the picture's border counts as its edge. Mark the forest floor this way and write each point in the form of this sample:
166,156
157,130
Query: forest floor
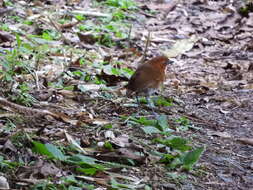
65,122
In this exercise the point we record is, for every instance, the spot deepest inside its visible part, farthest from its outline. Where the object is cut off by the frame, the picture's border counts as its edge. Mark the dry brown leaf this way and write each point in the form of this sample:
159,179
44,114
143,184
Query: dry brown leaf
88,37
6,37
163,6
220,134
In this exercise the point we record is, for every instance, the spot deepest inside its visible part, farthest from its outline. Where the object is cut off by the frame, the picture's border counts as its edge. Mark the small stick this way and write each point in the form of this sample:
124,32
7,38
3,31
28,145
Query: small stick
146,47
129,35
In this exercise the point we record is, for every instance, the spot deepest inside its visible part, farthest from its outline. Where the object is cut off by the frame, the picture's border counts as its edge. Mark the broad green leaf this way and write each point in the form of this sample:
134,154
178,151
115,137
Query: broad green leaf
81,158
175,163
161,101
18,40
108,145
177,143
192,157
150,130
55,151
167,158
48,150
69,179
115,71
143,121
147,187
41,149
163,122
85,162
87,171
74,188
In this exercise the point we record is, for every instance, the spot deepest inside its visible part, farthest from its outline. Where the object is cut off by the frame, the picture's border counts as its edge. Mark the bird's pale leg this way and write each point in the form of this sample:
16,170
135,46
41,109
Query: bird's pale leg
139,104
151,105
137,99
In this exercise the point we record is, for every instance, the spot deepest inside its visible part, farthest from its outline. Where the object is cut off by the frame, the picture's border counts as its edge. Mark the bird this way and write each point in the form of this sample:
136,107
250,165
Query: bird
148,77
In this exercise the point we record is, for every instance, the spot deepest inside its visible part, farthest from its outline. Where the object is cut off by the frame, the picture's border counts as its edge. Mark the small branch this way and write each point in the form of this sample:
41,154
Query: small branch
90,13
129,35
7,105
146,47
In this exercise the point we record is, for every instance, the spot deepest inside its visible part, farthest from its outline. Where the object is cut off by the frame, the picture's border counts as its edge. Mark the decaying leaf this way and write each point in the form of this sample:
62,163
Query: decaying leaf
181,46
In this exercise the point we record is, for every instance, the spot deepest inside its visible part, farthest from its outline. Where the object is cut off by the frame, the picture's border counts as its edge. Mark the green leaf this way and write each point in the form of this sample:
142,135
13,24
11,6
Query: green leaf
147,187
87,171
85,162
81,158
167,158
191,158
163,122
161,101
108,145
115,71
117,185
41,149
55,152
150,130
108,126
143,121
18,40
74,188
48,150
175,163
69,179
177,143
79,17
127,72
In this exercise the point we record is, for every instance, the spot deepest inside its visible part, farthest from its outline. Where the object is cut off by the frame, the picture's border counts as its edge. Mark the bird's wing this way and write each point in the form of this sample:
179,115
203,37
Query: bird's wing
143,79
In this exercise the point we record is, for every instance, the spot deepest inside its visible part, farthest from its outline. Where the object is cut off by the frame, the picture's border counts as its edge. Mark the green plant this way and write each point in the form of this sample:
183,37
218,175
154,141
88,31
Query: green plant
118,15
5,164
50,35
159,125
8,3
79,17
9,126
106,40
22,95
184,124
117,29
4,27
44,186
184,156
28,22
20,139
161,101
16,18
84,164
9,61
123,4
16,61
177,151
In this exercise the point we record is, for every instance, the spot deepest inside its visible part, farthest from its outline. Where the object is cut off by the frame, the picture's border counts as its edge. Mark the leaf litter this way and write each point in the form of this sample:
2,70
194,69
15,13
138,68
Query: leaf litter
75,58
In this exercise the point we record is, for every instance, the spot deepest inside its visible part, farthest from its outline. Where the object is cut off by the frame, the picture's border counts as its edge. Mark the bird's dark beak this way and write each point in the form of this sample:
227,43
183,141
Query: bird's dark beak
169,62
